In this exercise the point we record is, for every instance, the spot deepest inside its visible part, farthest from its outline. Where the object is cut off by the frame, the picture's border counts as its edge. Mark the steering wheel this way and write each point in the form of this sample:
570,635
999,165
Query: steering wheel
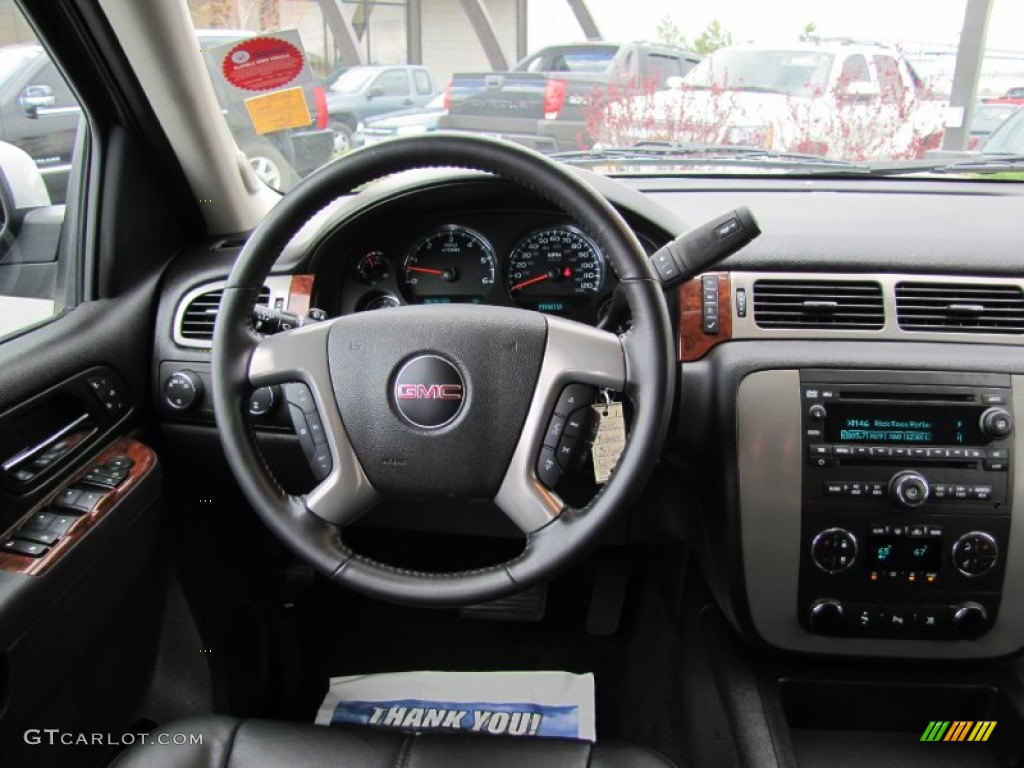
450,401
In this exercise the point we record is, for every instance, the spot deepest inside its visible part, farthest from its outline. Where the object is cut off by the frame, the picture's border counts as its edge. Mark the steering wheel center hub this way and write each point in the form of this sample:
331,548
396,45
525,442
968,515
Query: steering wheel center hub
428,392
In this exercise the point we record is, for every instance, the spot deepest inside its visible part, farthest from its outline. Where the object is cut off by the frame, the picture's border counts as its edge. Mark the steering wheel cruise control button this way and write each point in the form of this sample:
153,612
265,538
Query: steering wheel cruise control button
321,462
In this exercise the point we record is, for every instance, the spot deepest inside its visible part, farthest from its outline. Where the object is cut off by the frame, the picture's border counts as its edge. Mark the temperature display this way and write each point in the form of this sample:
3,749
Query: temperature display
889,553
903,424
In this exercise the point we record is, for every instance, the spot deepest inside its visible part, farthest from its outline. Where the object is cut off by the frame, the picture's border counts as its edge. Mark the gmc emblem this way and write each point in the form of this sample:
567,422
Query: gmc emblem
428,392
431,392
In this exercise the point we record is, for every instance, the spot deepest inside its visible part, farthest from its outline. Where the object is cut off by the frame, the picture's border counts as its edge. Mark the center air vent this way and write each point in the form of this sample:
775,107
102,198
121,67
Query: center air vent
199,316
960,307
825,304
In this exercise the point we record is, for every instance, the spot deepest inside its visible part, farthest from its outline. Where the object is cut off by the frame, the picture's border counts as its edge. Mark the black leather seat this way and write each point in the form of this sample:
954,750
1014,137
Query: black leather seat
232,743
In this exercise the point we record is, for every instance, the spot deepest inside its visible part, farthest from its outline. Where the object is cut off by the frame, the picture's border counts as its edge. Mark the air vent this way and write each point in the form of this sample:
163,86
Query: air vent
231,243
827,304
198,318
960,308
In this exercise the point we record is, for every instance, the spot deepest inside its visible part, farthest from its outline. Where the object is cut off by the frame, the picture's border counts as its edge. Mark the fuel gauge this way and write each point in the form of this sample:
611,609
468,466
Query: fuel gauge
373,267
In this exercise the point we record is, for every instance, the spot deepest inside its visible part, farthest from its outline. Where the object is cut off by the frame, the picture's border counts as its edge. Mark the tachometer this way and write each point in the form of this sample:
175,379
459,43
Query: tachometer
552,268
451,265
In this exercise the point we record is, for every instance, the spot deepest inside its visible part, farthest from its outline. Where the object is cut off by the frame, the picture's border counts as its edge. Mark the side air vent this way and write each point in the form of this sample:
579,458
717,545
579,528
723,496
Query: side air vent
960,308
198,318
231,243
824,304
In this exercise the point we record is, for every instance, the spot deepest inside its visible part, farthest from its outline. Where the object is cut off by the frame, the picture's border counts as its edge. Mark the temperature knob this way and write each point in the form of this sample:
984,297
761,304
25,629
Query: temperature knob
975,553
910,489
834,550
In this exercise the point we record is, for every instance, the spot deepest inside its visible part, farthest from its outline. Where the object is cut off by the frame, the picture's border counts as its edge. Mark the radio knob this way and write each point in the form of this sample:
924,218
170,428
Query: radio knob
826,616
817,412
910,489
996,422
970,621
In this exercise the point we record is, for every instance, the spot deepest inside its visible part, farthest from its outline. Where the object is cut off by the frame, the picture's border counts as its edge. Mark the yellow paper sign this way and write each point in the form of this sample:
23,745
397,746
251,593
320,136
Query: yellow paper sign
278,111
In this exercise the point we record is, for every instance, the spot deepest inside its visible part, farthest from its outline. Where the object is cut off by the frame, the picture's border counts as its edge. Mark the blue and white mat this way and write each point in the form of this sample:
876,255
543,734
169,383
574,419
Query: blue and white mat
553,704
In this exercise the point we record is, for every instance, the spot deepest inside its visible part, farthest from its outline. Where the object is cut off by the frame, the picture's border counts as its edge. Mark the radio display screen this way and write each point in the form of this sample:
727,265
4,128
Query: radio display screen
892,424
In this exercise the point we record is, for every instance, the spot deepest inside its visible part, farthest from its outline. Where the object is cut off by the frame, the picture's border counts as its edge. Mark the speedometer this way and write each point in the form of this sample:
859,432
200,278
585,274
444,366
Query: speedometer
552,268
451,265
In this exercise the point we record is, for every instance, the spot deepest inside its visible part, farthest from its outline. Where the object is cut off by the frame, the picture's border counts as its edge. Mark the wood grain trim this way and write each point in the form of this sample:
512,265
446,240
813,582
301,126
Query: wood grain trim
145,460
300,293
693,342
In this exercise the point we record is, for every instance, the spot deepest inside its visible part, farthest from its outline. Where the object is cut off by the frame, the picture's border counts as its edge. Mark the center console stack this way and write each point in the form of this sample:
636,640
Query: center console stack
905,503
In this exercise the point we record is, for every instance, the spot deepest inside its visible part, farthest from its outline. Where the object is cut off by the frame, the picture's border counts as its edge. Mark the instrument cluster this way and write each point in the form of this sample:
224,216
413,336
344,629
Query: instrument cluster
541,262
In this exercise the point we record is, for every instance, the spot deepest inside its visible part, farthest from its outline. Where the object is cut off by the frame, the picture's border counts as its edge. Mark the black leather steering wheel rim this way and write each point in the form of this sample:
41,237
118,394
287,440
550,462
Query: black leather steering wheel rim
647,353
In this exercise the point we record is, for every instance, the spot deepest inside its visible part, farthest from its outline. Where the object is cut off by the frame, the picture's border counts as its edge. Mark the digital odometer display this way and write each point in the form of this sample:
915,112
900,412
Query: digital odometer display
903,424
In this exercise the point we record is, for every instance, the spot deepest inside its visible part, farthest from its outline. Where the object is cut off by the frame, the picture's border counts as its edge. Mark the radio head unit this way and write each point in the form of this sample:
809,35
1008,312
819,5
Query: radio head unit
905,502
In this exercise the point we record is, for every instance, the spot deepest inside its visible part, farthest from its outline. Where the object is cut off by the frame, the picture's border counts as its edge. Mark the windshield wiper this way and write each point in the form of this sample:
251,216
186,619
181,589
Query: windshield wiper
658,152
980,164
985,164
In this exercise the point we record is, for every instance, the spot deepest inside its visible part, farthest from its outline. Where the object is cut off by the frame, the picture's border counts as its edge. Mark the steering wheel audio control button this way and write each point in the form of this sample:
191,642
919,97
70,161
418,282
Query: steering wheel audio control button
548,469
554,432
574,397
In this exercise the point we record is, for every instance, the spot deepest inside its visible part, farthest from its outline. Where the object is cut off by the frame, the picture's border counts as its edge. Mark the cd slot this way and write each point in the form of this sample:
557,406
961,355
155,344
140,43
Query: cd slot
908,397
869,462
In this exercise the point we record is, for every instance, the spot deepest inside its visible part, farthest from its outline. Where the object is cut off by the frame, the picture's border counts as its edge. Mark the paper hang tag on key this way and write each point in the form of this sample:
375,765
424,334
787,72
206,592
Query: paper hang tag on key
610,440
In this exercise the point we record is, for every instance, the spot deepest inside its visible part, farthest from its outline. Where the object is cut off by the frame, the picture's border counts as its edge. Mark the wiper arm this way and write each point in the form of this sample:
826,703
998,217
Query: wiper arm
980,164
652,152
985,164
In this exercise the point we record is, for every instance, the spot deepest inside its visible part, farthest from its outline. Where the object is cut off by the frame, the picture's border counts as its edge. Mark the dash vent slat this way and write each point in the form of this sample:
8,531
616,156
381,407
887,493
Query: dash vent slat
201,313
960,308
819,304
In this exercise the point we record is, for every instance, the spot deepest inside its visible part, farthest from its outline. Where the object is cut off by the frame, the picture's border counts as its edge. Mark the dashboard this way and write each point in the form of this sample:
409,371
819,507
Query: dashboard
902,299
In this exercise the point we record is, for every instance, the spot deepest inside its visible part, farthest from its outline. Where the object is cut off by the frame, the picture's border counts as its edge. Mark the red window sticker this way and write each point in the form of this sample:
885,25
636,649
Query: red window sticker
262,64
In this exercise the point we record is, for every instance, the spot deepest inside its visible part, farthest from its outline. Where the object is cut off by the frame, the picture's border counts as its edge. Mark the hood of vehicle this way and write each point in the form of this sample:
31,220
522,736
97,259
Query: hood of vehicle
406,118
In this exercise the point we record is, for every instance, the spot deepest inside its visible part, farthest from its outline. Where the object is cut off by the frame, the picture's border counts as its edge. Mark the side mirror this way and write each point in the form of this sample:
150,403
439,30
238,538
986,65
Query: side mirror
36,97
674,83
859,91
374,92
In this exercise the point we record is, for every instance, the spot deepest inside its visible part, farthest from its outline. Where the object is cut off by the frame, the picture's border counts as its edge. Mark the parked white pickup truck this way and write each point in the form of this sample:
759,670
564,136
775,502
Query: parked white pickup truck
821,98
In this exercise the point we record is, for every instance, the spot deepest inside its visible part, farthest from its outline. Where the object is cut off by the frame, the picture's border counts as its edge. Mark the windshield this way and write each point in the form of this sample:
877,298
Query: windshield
813,87
796,73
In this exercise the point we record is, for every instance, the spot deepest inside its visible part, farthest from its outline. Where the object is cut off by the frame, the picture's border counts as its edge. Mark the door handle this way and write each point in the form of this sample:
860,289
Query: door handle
24,456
